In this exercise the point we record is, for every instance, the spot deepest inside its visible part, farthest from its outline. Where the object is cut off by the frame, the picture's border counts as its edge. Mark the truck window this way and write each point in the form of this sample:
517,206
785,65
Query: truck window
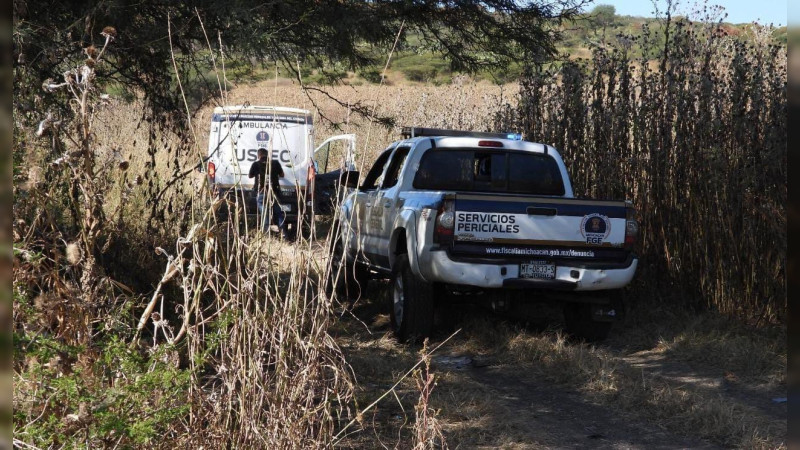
497,171
395,167
446,170
490,171
534,174
374,176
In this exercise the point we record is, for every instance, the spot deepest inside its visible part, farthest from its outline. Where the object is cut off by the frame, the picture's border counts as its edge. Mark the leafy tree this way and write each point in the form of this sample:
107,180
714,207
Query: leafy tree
604,16
471,34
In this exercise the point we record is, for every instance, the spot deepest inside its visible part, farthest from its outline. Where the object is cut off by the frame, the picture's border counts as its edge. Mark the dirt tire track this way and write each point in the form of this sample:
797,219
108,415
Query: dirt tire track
552,416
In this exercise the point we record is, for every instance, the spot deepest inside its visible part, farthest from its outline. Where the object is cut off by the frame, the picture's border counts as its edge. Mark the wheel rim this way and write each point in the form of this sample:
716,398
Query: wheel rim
398,301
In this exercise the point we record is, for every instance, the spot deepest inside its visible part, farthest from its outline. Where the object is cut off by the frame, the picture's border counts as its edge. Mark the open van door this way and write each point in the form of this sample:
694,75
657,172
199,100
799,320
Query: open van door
333,157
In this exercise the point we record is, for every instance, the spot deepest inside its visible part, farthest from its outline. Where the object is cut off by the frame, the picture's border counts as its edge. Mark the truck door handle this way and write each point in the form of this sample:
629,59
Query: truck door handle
539,211
387,204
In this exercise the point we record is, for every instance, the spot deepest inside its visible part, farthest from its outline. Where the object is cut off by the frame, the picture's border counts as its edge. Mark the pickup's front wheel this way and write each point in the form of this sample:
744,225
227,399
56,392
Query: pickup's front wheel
412,303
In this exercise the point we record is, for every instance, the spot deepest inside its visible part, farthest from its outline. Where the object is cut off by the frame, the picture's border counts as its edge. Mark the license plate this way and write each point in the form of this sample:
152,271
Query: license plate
286,208
537,269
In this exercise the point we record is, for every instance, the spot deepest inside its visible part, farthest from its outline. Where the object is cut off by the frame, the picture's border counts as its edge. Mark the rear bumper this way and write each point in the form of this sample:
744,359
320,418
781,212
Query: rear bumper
247,197
437,266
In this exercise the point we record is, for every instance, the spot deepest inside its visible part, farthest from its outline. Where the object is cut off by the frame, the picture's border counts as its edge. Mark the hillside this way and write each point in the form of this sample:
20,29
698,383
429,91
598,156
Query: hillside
416,64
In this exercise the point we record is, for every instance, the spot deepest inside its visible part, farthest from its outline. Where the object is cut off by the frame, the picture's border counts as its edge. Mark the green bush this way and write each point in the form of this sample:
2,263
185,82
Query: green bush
104,395
421,67
372,75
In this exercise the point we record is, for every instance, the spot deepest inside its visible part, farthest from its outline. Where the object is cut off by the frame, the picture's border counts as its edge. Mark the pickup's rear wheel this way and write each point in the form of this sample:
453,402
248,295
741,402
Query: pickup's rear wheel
579,323
412,303
347,277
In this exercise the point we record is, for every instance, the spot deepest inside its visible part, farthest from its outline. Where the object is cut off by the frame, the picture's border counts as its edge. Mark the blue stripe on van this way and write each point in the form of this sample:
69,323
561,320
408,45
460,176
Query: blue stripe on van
563,209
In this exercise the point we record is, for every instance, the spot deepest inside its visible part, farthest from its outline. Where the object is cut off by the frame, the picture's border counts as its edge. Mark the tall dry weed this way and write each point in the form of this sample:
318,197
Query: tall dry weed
695,133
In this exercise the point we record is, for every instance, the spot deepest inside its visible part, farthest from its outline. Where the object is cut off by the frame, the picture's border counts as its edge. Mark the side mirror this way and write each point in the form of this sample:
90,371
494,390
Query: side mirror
349,179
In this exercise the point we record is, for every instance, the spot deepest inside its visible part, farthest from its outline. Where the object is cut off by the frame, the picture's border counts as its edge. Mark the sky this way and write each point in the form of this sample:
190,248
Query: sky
739,11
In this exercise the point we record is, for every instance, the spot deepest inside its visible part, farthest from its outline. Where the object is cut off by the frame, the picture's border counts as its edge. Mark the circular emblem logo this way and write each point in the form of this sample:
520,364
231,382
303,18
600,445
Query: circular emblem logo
595,227
262,138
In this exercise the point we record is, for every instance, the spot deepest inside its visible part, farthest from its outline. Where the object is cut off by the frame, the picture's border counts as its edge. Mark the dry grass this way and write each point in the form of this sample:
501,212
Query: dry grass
695,135
635,376
679,403
751,356
462,105
655,378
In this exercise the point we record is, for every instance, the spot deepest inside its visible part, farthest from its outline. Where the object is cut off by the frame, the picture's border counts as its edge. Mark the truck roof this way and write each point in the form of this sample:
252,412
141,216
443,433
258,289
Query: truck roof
262,113
482,142
449,138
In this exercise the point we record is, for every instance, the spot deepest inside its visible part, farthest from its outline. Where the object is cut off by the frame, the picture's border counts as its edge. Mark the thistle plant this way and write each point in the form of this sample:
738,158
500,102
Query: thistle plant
87,185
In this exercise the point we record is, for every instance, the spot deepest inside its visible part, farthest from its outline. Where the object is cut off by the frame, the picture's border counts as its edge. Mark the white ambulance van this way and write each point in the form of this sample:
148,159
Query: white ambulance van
236,134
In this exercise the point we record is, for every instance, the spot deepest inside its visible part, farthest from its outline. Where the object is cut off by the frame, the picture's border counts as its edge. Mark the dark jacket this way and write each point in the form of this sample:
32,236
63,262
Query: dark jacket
259,171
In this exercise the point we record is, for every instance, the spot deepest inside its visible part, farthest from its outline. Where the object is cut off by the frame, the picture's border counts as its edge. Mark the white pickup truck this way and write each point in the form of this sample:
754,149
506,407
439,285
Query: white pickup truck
446,211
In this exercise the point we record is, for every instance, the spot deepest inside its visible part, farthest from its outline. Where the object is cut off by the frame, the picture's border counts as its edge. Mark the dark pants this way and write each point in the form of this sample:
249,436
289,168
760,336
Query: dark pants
276,212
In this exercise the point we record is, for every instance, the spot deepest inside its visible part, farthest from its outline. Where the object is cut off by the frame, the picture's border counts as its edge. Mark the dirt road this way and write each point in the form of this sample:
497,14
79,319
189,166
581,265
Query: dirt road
509,385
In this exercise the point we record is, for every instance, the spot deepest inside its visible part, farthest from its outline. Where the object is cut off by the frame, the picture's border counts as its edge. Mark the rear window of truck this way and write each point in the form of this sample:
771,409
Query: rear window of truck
489,171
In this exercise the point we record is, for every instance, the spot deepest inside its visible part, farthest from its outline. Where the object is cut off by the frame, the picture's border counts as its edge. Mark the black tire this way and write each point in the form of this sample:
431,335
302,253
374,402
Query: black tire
349,280
306,227
579,323
447,314
412,303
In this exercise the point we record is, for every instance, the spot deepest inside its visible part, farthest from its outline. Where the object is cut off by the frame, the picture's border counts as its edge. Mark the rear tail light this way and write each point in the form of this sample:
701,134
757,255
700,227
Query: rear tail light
212,172
312,176
631,228
445,222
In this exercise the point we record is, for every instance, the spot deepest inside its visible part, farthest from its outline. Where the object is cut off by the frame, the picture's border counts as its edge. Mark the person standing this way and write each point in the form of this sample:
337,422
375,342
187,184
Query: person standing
268,191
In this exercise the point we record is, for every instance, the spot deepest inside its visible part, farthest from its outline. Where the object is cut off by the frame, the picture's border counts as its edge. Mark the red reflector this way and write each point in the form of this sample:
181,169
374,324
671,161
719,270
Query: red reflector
490,144
445,219
212,172
312,175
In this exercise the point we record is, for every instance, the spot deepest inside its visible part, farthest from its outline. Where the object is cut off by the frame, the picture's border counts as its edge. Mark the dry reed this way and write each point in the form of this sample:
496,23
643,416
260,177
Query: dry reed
696,137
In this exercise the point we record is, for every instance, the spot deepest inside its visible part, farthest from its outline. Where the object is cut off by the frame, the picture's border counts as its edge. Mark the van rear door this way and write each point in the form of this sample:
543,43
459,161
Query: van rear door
240,133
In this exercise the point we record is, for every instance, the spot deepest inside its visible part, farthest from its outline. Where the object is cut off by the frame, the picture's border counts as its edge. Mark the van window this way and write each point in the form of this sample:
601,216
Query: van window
332,156
496,171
